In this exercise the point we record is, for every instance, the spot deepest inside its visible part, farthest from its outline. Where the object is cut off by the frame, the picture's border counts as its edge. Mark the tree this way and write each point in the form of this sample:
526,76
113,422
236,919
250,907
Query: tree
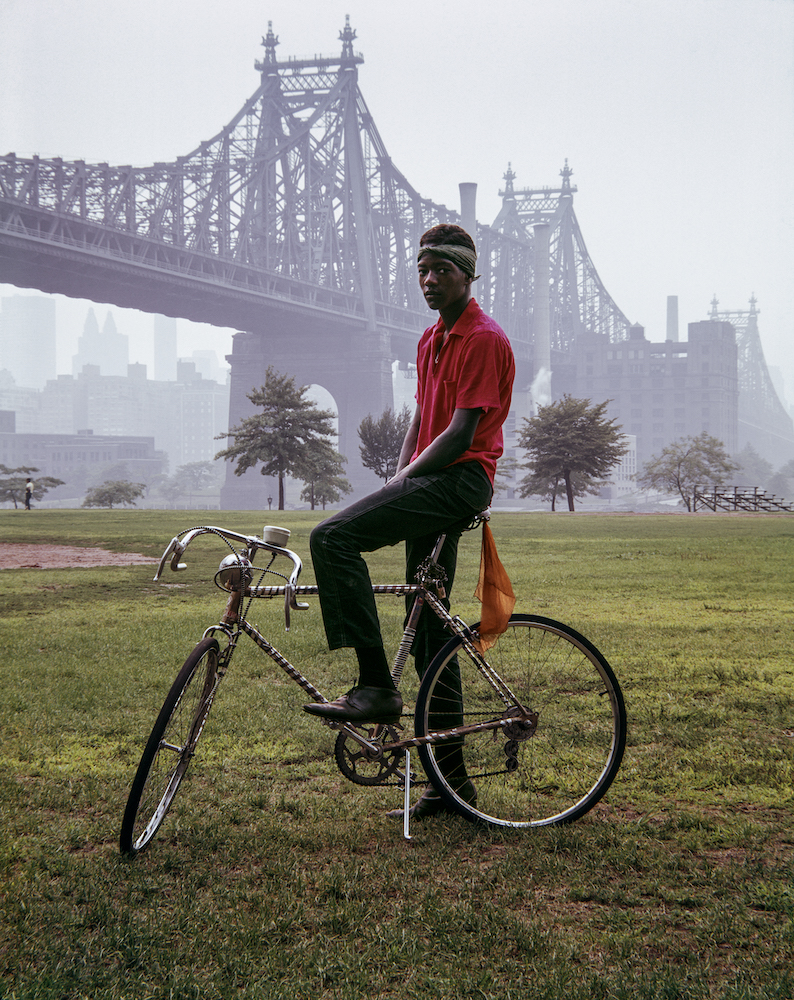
751,468
554,488
114,491
381,441
687,463
781,486
569,442
170,488
782,483
505,473
195,477
118,472
12,486
284,436
323,477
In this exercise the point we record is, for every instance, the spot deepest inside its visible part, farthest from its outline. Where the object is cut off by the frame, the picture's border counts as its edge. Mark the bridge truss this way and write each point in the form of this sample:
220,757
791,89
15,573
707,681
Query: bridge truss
296,200
579,302
759,404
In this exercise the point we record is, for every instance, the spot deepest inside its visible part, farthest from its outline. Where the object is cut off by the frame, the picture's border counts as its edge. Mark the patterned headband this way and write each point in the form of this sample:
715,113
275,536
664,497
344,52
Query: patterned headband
464,257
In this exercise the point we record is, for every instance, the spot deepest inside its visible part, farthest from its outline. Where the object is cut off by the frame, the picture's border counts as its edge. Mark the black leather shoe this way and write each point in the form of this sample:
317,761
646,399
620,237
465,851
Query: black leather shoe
430,802
361,704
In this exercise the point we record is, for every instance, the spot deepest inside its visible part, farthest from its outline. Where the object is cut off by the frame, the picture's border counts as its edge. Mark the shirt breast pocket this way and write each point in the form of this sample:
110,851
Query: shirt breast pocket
449,394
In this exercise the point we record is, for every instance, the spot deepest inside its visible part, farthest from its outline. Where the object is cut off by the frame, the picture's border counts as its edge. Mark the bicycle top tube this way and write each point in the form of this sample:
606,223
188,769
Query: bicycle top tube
312,590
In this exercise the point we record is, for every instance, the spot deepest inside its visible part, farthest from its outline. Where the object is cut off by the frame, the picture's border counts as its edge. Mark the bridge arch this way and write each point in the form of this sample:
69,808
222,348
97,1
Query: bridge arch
353,371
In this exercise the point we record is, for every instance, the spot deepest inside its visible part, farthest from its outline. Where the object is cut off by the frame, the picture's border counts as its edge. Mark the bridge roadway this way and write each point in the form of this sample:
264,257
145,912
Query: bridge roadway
318,335
60,253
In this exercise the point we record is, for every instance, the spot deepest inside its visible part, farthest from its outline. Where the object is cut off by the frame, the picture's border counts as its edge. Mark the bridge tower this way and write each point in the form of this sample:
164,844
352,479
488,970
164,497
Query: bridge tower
309,202
578,302
763,421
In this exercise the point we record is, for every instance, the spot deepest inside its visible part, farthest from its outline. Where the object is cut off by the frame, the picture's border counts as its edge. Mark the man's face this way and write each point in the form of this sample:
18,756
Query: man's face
442,282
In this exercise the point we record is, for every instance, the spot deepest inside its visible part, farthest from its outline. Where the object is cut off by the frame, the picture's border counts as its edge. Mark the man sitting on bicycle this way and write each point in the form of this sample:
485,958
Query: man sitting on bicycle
445,475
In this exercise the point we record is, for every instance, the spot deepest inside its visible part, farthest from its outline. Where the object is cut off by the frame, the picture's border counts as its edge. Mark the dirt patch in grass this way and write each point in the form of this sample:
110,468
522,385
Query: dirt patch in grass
13,556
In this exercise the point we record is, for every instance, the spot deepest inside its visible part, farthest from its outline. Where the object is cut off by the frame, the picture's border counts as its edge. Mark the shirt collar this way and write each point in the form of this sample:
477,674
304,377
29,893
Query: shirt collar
463,325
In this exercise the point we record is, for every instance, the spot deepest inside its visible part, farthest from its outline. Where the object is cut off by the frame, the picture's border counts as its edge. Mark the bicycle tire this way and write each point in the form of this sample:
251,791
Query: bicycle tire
527,774
170,747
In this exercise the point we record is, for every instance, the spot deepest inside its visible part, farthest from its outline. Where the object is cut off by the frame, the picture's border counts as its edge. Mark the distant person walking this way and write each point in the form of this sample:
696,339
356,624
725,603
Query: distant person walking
28,493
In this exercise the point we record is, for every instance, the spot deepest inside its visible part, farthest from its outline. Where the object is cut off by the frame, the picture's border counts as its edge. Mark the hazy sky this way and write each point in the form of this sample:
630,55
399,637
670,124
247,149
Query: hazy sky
677,117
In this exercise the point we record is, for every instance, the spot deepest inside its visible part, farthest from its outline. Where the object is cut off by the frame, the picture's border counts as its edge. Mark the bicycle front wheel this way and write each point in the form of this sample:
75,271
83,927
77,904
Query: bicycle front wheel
170,747
544,725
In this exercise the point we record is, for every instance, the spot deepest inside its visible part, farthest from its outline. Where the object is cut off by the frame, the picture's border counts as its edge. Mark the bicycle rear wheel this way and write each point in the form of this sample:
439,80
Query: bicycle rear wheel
550,725
170,747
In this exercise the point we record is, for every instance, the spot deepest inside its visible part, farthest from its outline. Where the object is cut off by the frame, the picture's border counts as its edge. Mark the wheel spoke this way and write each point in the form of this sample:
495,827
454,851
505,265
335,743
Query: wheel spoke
564,740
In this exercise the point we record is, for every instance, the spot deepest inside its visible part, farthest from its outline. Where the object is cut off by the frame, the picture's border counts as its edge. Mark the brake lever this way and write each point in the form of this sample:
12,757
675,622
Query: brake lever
179,550
174,550
164,558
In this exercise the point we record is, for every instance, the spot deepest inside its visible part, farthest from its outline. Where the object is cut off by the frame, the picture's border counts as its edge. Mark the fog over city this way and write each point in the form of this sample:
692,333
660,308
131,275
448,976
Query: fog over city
676,116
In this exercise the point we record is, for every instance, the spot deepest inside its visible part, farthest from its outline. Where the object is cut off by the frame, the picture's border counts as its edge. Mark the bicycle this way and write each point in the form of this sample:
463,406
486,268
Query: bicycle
540,717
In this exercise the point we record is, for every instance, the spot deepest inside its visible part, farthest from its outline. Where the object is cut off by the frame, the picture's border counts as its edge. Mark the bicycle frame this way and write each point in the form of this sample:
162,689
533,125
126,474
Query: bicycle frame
428,590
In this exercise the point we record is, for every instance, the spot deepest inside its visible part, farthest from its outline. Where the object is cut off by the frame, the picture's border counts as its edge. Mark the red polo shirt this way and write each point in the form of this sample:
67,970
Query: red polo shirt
473,370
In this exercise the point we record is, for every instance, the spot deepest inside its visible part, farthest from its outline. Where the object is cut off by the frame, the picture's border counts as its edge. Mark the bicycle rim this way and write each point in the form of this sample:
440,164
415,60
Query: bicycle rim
553,766
170,747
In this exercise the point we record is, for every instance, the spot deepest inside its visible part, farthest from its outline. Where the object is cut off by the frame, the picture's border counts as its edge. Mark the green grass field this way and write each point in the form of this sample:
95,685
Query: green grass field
273,877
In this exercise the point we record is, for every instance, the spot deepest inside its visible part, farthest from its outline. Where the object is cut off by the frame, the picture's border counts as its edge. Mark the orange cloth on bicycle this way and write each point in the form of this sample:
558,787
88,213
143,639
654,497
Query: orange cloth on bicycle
494,591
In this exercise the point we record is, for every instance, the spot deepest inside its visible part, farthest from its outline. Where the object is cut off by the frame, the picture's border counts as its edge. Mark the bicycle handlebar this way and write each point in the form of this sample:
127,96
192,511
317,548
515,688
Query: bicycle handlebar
177,546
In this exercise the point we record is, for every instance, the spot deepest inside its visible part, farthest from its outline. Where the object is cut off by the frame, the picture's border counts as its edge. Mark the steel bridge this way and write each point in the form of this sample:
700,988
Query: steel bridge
760,409
293,225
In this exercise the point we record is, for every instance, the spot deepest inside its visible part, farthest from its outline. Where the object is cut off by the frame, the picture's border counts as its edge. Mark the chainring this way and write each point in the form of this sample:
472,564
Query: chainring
360,765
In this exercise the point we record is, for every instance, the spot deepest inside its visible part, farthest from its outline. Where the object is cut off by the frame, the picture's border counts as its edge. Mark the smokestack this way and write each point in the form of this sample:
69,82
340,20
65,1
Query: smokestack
672,317
468,208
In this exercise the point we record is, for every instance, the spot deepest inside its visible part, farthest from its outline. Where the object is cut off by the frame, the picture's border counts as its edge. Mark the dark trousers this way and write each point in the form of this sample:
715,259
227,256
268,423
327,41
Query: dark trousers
415,511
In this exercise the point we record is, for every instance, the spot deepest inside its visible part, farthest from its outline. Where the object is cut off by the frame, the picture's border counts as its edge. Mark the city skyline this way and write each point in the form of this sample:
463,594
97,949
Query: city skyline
72,315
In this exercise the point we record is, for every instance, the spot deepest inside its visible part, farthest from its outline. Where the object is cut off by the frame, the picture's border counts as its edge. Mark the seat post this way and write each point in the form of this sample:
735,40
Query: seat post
409,630
438,547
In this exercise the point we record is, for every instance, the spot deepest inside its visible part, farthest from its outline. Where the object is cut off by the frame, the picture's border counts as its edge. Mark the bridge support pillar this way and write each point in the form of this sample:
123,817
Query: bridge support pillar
353,365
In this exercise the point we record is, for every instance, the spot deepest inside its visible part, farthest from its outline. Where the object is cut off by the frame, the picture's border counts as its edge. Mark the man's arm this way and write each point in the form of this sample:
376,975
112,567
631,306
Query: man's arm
449,445
409,441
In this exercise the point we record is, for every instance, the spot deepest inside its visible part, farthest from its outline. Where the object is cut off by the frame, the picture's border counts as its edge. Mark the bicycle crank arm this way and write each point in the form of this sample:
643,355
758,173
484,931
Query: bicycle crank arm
374,750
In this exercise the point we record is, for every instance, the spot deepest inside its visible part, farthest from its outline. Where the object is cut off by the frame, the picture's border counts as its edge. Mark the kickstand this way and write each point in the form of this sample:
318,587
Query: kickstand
407,801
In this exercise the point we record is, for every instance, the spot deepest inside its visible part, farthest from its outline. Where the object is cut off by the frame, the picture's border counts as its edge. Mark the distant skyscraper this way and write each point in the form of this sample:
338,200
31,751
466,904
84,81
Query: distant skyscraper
87,345
108,350
27,339
208,366
672,317
164,348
